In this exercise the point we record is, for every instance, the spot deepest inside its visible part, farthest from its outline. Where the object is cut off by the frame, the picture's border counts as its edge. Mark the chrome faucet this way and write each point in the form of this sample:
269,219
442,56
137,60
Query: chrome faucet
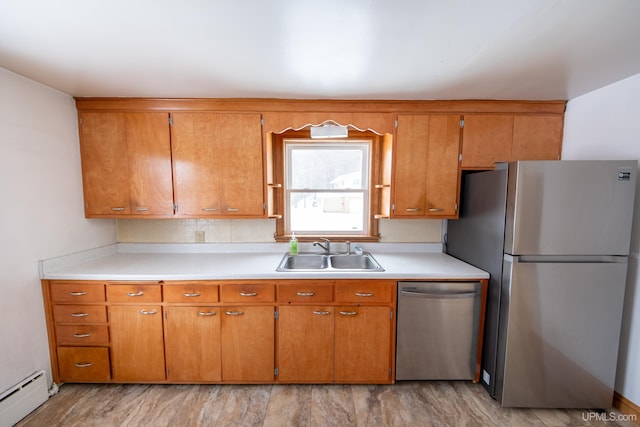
326,248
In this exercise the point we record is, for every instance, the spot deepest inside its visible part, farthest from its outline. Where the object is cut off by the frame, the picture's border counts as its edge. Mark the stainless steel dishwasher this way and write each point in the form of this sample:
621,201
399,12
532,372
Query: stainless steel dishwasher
437,335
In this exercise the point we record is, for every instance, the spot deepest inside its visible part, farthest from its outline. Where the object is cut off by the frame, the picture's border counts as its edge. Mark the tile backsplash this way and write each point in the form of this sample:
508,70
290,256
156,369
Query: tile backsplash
254,230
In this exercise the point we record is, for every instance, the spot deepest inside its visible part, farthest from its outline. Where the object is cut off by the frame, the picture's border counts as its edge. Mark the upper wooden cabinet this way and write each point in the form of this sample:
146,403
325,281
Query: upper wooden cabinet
218,164
126,164
490,138
426,155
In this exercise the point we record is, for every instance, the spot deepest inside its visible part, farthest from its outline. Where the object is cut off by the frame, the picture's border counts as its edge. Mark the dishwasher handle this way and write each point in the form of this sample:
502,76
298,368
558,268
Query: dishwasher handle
439,294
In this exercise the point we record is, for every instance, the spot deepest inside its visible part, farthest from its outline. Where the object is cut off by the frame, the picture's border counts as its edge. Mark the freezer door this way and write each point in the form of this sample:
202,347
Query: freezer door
560,330
570,207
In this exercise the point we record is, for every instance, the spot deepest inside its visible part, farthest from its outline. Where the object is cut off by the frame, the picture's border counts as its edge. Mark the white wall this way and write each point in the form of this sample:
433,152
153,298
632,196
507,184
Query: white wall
41,214
605,124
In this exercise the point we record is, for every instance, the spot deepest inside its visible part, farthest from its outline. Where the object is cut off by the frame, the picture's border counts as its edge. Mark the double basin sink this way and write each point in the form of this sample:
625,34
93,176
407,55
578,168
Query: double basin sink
329,262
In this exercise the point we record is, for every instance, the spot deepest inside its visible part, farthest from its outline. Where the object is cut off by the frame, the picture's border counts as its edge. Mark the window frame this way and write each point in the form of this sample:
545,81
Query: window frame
363,145
276,163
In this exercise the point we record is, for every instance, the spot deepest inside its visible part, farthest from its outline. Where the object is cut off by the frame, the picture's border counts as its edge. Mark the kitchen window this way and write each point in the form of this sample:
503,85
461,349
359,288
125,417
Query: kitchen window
326,186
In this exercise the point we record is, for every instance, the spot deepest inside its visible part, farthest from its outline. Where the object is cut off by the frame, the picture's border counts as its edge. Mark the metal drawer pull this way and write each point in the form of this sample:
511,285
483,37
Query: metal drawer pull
81,335
78,294
436,209
364,294
142,209
149,311
135,294
348,313
79,314
233,209
412,209
248,294
306,294
206,313
83,365
234,313
117,209
209,209
322,313
194,294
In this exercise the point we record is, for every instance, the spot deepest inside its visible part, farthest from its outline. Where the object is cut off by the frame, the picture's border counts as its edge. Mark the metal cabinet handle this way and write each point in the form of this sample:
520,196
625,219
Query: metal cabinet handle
364,294
78,293
117,209
83,365
348,313
306,294
322,313
412,209
233,209
193,294
436,209
209,209
81,335
149,311
206,313
135,294
79,314
142,209
234,313
248,294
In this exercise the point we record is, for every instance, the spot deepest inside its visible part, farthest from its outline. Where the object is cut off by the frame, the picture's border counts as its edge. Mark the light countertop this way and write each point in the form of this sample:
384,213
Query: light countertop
244,261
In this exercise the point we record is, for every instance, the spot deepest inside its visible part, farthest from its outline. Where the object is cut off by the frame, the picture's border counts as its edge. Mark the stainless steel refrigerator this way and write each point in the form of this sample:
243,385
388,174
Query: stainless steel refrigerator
554,236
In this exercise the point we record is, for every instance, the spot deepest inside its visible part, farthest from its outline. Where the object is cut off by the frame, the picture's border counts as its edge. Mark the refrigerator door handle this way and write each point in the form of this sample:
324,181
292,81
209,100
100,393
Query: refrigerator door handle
592,259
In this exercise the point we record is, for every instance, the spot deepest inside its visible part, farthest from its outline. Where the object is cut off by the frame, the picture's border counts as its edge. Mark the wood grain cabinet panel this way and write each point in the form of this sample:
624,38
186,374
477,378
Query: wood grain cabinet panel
537,137
77,292
426,178
247,292
78,364
126,163
247,343
218,164
306,343
137,344
134,293
190,292
80,313
82,335
192,343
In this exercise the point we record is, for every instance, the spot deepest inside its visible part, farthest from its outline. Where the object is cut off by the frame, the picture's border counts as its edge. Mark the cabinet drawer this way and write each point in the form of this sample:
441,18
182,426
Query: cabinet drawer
247,292
84,364
133,292
80,313
80,335
311,292
363,292
196,293
77,292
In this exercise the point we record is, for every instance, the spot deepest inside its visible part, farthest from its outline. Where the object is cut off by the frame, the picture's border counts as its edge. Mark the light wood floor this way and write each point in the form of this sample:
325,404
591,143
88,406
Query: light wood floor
434,403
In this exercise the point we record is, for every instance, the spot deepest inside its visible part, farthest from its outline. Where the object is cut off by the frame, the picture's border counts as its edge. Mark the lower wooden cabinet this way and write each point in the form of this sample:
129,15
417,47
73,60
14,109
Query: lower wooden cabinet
289,331
363,344
77,364
192,343
137,344
306,343
247,346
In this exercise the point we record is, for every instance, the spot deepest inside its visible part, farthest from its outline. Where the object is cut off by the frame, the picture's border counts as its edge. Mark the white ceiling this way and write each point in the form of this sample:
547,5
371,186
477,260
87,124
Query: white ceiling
339,49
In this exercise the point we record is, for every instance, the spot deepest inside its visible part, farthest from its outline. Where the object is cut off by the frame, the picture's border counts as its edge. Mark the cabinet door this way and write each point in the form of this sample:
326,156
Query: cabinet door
305,344
486,139
247,343
126,163
363,344
537,137
426,166
217,164
192,343
137,345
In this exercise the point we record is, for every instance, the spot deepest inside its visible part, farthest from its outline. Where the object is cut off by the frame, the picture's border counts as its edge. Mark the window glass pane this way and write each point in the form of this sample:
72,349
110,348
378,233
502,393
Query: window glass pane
326,212
327,168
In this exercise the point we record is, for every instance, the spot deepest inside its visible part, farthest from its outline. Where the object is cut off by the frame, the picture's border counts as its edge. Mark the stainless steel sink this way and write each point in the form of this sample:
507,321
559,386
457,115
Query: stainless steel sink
329,262
304,262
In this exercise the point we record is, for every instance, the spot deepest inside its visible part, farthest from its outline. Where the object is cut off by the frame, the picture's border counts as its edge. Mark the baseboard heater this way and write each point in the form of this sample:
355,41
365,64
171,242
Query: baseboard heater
21,399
